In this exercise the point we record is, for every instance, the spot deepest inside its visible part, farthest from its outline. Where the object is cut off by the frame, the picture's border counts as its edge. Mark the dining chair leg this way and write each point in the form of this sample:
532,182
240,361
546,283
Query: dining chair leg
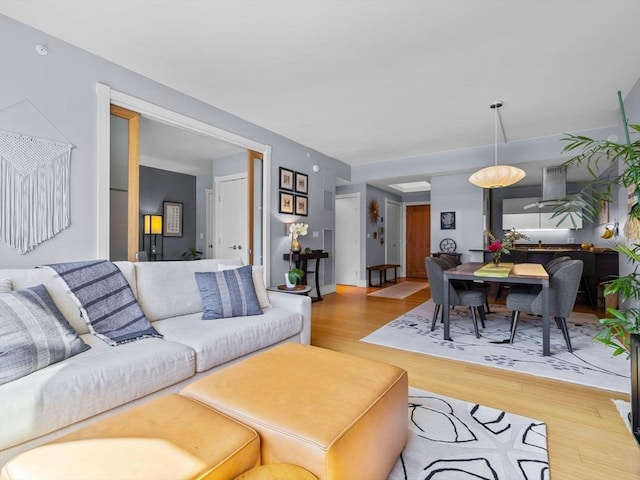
486,304
483,316
475,321
498,291
565,332
514,324
435,317
587,289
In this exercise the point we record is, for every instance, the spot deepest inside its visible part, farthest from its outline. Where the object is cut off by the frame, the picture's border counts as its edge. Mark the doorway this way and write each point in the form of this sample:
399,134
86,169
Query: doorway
393,245
106,97
418,239
348,252
231,235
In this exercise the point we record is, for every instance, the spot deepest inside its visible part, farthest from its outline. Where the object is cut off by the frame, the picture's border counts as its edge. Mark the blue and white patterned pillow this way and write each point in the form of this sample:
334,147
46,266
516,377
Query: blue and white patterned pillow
34,333
228,294
105,297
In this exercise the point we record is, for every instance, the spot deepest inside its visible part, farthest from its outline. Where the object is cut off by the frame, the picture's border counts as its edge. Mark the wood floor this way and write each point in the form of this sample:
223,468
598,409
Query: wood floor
587,437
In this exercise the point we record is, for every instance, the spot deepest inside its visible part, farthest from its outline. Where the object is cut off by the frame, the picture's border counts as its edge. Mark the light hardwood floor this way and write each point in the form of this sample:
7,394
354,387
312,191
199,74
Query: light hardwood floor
587,438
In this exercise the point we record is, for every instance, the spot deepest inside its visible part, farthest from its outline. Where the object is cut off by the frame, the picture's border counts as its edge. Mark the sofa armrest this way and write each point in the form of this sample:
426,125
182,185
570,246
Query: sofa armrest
296,303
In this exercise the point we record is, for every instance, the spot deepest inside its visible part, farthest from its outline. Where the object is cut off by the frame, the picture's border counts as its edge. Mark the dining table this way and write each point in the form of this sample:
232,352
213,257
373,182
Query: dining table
518,273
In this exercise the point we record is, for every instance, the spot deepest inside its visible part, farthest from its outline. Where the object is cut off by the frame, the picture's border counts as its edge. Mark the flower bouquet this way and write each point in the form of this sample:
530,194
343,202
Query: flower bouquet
497,247
294,274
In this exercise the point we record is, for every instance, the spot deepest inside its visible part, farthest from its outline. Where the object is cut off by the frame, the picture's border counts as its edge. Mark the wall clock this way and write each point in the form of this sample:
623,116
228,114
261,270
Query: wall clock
448,245
374,210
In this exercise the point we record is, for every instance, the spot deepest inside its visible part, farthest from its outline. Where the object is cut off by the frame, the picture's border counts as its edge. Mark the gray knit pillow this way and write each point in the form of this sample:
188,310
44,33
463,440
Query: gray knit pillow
34,333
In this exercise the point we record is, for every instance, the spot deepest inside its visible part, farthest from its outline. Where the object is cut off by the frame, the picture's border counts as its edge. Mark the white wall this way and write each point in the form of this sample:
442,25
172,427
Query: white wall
454,193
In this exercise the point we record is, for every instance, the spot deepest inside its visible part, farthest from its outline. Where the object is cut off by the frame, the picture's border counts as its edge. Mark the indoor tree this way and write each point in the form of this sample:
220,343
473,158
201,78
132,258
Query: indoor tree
625,320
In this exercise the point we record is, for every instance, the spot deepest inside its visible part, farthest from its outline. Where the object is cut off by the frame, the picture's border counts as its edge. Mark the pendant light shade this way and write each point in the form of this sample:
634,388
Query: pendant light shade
497,176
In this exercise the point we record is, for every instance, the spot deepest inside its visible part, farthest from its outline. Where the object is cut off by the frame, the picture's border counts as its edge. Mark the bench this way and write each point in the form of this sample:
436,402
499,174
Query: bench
382,273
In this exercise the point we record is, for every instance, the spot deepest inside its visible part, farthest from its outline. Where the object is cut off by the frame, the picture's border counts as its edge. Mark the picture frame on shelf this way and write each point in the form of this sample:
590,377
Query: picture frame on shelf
286,179
301,205
302,183
172,224
286,202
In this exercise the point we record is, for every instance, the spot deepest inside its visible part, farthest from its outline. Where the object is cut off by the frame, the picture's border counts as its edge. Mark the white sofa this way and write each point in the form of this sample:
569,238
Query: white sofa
104,380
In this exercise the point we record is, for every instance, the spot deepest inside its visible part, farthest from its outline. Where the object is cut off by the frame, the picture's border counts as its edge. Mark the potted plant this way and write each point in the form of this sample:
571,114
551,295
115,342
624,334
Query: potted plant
294,274
626,320
191,254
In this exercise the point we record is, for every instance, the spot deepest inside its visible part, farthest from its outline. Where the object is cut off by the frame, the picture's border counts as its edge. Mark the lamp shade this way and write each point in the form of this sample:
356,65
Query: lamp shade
497,176
153,224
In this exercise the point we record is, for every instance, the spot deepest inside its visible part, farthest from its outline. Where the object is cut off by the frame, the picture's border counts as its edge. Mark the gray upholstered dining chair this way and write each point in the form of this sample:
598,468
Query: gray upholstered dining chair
483,287
474,299
588,271
563,288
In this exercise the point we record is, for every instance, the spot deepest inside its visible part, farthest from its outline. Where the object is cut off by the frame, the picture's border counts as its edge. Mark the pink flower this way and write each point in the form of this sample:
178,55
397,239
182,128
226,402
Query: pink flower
495,246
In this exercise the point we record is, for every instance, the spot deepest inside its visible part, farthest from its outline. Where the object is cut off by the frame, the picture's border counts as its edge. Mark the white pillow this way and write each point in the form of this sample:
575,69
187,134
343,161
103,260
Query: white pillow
258,282
5,285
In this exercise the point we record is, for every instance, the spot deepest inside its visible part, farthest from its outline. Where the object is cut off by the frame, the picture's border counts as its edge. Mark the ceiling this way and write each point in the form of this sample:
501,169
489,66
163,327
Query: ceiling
366,82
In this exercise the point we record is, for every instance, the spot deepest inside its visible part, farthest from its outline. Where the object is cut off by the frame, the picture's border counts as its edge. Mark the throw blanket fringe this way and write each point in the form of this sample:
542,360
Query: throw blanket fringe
34,189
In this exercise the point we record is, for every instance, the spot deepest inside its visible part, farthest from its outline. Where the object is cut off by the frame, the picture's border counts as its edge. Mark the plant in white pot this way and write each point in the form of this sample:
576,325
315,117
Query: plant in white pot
294,274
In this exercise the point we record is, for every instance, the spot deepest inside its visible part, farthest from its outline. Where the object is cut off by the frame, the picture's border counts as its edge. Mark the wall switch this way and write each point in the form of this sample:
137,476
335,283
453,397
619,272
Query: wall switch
571,240
315,234
201,236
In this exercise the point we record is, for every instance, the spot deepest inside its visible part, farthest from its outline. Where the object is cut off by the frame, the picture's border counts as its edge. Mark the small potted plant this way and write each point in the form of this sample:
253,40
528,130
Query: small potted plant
192,254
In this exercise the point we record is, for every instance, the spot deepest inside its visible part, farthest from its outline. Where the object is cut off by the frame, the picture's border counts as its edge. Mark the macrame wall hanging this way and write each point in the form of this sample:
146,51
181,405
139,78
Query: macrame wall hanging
34,189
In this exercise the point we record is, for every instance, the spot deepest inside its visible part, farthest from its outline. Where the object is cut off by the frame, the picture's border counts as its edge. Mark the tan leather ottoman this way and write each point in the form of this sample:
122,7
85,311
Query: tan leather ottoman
340,417
170,437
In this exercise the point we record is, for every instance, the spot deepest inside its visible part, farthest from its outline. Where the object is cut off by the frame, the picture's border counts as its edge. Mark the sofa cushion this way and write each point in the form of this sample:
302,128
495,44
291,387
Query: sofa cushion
107,300
169,289
5,285
34,333
98,380
257,272
226,339
59,292
229,293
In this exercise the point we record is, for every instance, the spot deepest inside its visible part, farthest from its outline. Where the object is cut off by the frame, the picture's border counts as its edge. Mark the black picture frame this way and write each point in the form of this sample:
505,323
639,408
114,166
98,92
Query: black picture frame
302,183
286,179
447,220
302,205
286,203
172,219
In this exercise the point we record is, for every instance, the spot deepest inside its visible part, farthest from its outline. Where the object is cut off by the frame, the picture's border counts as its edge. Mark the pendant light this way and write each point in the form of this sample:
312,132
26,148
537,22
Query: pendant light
497,176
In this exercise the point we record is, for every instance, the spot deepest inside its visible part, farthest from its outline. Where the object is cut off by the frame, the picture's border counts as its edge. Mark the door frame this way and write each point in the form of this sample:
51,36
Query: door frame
133,177
106,96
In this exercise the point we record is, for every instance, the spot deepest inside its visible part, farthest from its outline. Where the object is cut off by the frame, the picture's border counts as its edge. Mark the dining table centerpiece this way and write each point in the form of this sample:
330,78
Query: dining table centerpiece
498,247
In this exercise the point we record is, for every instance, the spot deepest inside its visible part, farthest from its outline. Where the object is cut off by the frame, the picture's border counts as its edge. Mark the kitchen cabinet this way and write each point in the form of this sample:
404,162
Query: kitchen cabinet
514,215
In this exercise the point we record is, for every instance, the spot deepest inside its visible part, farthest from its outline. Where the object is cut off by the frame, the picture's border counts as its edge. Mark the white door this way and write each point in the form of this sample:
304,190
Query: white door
347,254
393,242
231,217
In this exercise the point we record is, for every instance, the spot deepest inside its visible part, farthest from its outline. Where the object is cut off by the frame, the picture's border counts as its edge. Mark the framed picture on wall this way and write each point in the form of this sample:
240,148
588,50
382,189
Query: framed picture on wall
447,220
301,183
286,203
301,205
172,219
286,179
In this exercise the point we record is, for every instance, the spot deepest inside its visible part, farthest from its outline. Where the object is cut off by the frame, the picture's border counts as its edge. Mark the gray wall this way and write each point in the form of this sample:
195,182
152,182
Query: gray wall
158,186
62,86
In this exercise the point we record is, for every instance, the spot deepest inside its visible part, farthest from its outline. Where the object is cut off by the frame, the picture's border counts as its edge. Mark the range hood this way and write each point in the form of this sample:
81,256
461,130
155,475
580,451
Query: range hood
554,187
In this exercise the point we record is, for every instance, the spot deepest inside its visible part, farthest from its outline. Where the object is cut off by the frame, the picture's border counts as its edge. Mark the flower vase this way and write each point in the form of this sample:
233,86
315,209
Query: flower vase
496,258
295,246
287,282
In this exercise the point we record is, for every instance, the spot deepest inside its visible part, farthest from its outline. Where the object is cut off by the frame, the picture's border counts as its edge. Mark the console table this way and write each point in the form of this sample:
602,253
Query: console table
301,261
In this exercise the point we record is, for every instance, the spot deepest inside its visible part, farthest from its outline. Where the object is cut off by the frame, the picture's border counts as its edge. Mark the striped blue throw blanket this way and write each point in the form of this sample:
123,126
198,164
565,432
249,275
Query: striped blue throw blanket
106,300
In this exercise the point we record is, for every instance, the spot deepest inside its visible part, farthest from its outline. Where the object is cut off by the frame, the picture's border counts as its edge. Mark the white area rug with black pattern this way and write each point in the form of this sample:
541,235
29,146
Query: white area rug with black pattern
591,363
451,439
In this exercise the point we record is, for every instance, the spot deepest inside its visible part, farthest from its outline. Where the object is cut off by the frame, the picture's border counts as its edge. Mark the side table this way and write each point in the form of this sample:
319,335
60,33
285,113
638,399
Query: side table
297,290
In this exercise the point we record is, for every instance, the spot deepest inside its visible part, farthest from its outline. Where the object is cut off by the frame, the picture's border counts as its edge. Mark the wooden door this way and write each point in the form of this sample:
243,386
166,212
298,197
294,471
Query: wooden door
418,239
